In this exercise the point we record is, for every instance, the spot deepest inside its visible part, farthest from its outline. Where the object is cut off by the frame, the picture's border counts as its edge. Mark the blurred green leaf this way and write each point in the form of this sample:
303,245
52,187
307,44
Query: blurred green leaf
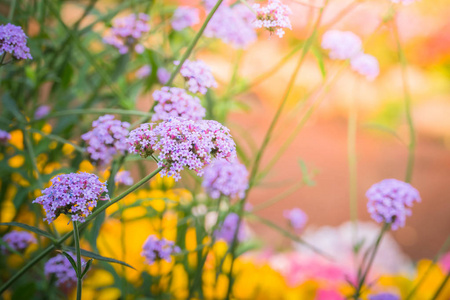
99,257
30,228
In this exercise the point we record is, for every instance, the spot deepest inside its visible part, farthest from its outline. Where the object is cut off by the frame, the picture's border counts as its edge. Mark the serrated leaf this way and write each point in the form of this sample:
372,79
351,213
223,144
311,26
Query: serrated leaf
30,228
72,262
99,257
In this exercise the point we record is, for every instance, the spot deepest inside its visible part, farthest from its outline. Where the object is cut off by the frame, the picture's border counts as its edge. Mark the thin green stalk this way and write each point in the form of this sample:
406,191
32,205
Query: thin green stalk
277,198
98,211
441,287
12,8
76,238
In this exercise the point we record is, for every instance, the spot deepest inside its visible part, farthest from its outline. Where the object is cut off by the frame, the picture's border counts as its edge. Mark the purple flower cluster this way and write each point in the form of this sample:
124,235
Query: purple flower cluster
384,296
4,137
144,71
127,31
155,249
233,25
390,201
14,41
60,267
297,218
347,45
107,138
74,194
224,178
228,228
274,17
197,75
123,177
181,143
17,240
41,111
176,102
185,16
163,75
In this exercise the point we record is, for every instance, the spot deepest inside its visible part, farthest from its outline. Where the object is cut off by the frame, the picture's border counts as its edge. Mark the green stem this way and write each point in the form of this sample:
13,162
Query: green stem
82,226
76,238
441,287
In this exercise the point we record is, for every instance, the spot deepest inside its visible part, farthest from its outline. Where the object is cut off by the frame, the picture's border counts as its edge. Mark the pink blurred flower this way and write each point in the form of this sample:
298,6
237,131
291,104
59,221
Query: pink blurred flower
185,16
366,65
342,44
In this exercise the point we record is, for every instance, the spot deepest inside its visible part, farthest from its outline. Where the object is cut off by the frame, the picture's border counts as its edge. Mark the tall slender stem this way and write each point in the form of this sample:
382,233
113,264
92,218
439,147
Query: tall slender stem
76,238
441,287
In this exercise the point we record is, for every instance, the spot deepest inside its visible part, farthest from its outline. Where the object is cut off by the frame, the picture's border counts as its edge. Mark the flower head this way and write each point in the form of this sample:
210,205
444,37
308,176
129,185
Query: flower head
41,111
366,65
297,218
384,296
185,16
144,71
74,194
14,41
183,143
124,177
342,44
175,102
17,240
60,267
163,75
225,178
274,17
127,32
155,249
390,201
4,137
107,138
228,229
233,25
198,76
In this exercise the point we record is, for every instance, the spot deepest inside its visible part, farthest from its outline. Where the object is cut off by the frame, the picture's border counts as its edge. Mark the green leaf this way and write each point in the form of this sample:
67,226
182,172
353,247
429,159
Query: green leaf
318,54
30,228
10,105
99,257
88,266
72,262
67,75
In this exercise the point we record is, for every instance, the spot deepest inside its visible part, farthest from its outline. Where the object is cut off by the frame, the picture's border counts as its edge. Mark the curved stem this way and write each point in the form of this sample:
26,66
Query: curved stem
76,238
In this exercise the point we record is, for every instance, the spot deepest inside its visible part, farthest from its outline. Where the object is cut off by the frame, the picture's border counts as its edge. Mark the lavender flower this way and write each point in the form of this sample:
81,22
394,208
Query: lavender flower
41,111
107,138
185,16
198,76
297,218
4,137
127,32
124,177
144,71
175,102
155,249
366,65
74,194
233,25
163,75
274,17
384,296
17,240
14,41
228,228
342,44
181,143
60,267
224,178
390,200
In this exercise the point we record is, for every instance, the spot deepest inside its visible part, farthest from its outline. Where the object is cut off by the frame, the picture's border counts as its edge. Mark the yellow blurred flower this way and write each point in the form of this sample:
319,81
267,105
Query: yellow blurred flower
16,161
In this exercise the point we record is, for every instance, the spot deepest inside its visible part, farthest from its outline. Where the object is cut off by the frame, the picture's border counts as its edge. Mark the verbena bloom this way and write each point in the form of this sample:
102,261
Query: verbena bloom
366,65
60,267
123,177
390,201
41,111
14,41
4,137
155,249
127,32
274,17
73,194
183,143
163,75
297,218
228,228
176,102
17,240
342,44
185,16
384,296
107,138
197,75
225,178
233,25
144,71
